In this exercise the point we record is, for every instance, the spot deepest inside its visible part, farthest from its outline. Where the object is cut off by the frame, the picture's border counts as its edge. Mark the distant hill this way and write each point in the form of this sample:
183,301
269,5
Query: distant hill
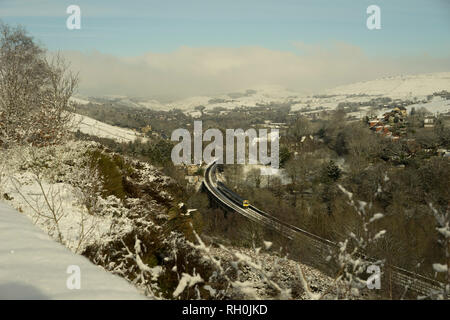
396,87
407,86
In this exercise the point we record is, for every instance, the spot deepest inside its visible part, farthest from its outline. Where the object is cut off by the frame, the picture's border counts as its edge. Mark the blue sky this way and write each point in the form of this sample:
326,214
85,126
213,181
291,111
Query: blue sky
130,28
195,47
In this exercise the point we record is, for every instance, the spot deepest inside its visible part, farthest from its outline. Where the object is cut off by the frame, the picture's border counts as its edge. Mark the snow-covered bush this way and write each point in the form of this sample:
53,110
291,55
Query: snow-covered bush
351,255
55,187
89,187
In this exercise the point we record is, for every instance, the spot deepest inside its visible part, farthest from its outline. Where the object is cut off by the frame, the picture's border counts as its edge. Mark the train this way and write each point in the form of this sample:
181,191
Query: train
243,203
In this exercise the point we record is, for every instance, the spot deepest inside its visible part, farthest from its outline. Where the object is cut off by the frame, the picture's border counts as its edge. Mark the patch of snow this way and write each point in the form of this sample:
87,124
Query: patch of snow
33,266
100,129
186,281
79,101
439,267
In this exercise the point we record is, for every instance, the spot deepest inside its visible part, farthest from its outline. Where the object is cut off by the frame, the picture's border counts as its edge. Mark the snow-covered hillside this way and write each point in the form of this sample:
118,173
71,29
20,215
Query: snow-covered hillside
396,87
250,98
436,105
100,129
405,86
247,97
33,266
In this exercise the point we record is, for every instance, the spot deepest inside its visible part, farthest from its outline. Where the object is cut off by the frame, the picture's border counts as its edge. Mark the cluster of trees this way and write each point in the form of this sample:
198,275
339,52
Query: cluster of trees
354,106
309,194
34,91
156,151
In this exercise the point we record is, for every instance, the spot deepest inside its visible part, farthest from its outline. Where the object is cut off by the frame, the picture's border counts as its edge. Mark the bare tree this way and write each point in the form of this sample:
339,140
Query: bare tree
34,91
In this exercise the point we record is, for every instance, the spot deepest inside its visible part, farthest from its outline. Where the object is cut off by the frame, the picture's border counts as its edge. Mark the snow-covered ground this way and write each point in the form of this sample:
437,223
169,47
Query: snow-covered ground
249,98
30,177
79,101
33,266
405,86
100,129
285,272
153,104
45,186
267,173
436,105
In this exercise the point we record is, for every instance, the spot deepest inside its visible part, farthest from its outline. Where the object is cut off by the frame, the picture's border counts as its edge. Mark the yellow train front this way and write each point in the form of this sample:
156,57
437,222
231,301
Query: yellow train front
233,196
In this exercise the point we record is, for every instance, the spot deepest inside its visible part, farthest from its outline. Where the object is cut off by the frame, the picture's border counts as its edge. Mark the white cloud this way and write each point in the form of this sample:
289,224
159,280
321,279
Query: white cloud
191,71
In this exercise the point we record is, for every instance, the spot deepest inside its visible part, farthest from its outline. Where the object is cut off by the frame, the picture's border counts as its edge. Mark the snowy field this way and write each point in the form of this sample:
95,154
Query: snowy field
398,87
93,127
435,106
33,266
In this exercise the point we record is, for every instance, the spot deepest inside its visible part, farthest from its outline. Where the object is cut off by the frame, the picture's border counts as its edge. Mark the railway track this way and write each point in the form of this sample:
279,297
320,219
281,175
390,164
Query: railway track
422,285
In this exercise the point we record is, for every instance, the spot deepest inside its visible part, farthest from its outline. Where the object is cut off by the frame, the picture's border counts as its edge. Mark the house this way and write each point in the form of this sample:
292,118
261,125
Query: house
386,132
395,115
373,123
428,122
402,110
